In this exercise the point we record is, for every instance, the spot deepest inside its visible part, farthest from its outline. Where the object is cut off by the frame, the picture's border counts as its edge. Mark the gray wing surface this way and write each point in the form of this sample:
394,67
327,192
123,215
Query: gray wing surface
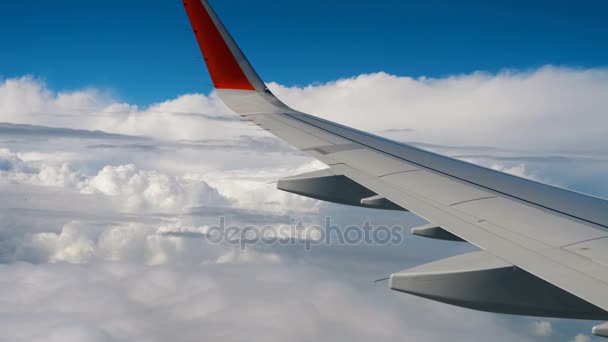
555,238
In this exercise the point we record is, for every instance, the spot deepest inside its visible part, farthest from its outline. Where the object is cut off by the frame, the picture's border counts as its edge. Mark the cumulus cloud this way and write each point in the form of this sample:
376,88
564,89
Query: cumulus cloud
135,189
151,190
17,170
87,243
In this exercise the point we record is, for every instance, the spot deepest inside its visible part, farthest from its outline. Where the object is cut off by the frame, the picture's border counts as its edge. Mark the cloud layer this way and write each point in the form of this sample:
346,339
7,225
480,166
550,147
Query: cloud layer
127,302
103,204
543,109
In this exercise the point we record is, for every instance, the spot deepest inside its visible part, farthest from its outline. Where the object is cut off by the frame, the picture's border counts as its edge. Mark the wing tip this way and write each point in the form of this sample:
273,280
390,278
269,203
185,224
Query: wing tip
220,52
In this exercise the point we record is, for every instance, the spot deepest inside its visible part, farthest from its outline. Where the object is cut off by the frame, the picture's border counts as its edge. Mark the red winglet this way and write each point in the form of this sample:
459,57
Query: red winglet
225,71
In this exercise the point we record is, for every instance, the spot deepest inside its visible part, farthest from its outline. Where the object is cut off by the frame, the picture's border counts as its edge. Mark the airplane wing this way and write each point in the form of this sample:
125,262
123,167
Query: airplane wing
544,249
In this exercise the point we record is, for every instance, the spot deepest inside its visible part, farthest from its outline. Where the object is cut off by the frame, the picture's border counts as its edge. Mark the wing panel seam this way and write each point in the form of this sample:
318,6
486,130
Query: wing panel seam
473,200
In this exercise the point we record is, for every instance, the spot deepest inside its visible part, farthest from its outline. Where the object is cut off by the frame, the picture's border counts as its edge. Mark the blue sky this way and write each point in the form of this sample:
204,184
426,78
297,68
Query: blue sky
142,50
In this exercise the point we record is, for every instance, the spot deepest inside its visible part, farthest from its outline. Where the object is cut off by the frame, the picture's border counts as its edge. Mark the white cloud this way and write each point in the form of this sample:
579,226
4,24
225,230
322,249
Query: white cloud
517,170
581,338
547,108
16,170
81,242
11,162
542,328
256,188
27,100
233,302
151,190
135,189
247,256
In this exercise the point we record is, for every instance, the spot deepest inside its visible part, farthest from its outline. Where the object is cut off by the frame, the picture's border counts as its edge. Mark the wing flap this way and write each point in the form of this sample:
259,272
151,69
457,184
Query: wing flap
571,272
481,281
594,249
